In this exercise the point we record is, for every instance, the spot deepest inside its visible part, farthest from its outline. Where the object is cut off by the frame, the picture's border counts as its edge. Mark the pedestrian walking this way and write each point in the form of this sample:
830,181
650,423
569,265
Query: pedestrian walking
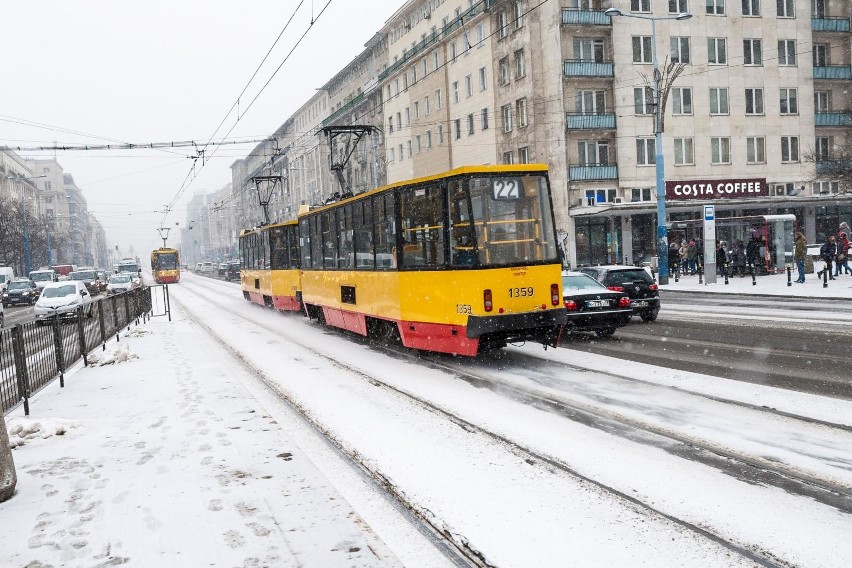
753,252
721,258
692,256
738,259
800,252
841,260
674,259
682,251
828,252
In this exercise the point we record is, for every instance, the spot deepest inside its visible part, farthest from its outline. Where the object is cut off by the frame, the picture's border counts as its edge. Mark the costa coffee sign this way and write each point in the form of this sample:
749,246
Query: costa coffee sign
701,190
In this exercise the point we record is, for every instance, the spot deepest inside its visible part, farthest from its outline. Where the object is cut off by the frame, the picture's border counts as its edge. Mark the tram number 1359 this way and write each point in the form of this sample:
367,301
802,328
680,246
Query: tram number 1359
521,292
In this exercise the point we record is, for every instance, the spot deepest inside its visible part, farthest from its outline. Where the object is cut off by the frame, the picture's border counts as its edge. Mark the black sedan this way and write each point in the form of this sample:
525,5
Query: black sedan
21,291
592,307
634,281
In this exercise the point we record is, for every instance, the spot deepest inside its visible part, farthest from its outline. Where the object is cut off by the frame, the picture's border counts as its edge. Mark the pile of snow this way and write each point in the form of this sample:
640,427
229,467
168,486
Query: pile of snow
119,354
22,430
137,332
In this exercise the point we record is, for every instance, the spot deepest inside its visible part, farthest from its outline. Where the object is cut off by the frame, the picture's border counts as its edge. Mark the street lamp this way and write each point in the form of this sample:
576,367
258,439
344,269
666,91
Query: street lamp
662,230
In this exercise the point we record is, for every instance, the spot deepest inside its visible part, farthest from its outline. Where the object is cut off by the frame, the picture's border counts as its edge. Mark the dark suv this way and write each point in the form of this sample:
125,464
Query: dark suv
634,281
21,291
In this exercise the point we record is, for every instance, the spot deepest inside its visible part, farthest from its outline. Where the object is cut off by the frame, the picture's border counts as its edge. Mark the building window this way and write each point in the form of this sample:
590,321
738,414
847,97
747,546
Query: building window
440,134
640,194
519,14
645,153
503,66
524,155
457,128
521,105
417,143
678,6
453,52
719,100
407,116
390,125
470,124
642,49
683,151
480,34
756,150
822,148
717,53
787,8
822,101
589,49
715,7
821,54
643,100
426,105
401,155
425,66
405,81
466,42
436,59
720,150
751,7
520,64
508,158
468,85
428,139
594,196
789,149
410,153
682,100
789,101
593,152
502,25
754,101
680,49
47,187
483,119
416,110
640,5
752,54
438,102
399,121
590,102
506,111
824,187
455,91
787,52
483,79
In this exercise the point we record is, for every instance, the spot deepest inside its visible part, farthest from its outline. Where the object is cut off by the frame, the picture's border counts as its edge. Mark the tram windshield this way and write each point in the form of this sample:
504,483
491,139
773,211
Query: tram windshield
507,220
167,261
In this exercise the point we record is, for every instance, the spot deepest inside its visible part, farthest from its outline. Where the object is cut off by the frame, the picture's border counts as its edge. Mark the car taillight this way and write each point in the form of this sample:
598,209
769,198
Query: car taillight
653,287
570,305
487,301
615,288
554,294
624,302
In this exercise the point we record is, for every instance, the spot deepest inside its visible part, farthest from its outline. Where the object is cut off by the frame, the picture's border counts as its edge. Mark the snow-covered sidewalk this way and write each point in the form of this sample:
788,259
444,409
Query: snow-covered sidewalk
770,285
161,456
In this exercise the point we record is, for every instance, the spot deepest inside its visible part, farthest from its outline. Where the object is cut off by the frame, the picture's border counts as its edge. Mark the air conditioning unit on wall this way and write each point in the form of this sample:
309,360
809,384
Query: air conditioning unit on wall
618,200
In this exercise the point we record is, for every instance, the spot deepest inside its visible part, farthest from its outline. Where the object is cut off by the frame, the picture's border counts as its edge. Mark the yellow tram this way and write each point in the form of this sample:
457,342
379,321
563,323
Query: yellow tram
269,266
460,262
165,265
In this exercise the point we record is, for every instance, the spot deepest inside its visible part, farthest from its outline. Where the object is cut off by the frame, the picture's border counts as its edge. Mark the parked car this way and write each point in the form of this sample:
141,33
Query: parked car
208,269
634,281
233,270
222,270
119,283
592,306
63,298
20,291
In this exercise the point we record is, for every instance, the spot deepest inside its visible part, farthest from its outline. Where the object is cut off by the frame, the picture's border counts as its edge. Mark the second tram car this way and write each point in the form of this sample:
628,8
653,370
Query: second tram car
269,271
165,265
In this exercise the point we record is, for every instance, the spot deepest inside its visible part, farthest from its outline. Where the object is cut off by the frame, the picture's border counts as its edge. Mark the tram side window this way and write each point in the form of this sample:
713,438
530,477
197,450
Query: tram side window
462,233
328,228
346,246
278,246
316,242
292,246
385,242
362,222
422,217
263,251
305,241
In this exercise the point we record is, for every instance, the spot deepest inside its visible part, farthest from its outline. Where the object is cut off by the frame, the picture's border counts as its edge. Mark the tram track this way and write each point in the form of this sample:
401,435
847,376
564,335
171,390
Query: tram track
614,424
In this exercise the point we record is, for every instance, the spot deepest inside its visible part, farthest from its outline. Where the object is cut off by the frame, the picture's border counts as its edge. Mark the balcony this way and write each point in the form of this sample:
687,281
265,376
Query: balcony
830,24
354,102
832,72
587,68
592,172
601,121
832,119
578,17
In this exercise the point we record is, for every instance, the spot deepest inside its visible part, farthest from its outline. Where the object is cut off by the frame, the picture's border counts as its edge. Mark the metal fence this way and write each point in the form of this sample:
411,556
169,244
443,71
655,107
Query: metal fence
35,353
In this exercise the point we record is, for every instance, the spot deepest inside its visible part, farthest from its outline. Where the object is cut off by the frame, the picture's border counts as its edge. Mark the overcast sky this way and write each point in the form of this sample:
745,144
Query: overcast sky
99,72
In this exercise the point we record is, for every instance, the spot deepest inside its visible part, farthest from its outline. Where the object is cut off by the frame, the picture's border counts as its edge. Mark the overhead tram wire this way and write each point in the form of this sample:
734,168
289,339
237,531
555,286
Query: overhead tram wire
188,180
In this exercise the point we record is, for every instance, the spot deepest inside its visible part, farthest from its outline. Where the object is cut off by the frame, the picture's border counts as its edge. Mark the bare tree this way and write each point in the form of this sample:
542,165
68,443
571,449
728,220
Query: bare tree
8,477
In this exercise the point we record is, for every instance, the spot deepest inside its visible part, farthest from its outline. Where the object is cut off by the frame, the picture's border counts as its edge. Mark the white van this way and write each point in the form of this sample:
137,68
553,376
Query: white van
42,277
7,274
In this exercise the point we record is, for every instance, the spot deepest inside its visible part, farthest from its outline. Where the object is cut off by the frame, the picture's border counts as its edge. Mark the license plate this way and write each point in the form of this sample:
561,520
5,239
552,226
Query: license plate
597,303
639,304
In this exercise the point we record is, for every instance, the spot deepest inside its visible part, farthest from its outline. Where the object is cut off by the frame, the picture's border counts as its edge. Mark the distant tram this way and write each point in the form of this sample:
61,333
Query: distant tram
165,265
462,262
